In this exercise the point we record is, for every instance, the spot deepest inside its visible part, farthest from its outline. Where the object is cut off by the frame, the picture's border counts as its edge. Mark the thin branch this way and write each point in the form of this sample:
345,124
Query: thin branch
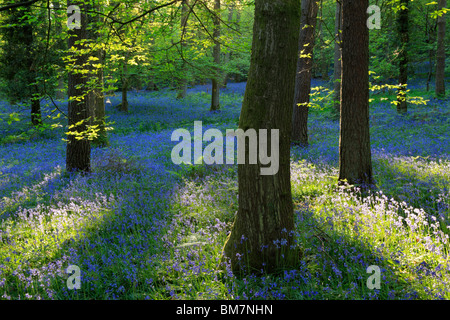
20,4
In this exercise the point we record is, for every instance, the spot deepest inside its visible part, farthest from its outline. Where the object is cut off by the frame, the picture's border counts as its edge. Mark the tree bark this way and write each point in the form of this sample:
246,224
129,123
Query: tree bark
355,165
337,57
183,81
215,92
303,76
262,230
403,55
78,151
440,52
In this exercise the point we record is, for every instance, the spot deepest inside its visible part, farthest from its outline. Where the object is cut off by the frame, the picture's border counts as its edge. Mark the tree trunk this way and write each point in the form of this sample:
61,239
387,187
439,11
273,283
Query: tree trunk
124,105
97,99
36,118
78,151
337,58
261,236
229,54
355,163
403,62
215,100
60,93
440,52
303,76
183,81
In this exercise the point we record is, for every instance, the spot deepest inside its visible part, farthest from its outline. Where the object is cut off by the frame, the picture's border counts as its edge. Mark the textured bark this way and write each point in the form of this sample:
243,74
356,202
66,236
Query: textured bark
183,81
265,213
355,164
303,76
440,52
337,57
78,152
215,92
403,57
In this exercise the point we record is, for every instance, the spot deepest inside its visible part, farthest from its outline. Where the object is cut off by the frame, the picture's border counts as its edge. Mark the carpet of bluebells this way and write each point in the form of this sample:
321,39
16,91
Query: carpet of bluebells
140,227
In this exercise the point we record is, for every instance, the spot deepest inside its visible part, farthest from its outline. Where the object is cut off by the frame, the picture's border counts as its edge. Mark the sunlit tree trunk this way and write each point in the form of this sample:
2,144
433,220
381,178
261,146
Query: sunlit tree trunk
440,52
355,165
303,76
262,229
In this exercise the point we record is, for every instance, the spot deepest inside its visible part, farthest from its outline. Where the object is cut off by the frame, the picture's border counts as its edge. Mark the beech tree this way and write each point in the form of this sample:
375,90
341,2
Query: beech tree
355,164
216,82
337,57
303,76
403,26
183,81
261,236
78,150
440,52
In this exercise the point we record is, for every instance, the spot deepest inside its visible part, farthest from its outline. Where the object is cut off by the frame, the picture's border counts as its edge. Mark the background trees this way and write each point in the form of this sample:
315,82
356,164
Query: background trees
309,11
440,52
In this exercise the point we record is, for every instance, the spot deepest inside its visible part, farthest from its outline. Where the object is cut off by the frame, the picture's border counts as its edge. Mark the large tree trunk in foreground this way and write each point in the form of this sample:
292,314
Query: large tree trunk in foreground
355,163
440,52
78,151
303,77
402,106
261,236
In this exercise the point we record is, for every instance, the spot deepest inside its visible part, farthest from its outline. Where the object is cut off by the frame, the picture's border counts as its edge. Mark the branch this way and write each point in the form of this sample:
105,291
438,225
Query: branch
20,4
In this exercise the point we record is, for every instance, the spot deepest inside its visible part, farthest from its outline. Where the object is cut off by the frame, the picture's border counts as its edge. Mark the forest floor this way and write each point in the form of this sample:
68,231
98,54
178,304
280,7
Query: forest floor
140,227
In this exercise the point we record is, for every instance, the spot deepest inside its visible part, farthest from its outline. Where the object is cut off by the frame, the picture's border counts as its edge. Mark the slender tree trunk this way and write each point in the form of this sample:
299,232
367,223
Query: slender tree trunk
36,118
262,230
183,81
229,54
215,100
355,163
429,31
303,76
60,91
78,151
403,62
96,96
124,105
337,57
99,112
440,52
